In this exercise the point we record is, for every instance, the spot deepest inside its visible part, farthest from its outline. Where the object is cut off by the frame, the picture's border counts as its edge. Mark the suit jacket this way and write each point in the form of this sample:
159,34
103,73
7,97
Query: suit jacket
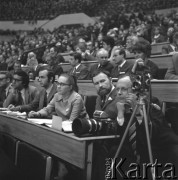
30,93
109,105
125,69
107,67
80,73
41,97
3,94
172,72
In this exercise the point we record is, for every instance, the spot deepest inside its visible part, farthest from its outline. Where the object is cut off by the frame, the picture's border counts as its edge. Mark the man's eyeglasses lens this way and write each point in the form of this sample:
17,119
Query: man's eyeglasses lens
62,84
16,80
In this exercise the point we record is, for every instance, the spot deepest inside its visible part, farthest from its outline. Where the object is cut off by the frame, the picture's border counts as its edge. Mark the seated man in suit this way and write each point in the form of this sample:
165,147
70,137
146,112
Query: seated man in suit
23,94
123,66
78,70
5,86
116,107
172,72
103,63
49,87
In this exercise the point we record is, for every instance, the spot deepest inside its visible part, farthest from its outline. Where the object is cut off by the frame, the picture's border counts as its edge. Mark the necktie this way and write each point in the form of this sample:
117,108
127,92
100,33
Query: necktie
119,68
103,101
132,139
74,71
45,99
20,99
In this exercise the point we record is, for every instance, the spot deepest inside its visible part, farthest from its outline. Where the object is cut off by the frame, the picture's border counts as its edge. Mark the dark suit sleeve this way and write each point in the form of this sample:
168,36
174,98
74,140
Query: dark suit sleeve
83,74
161,132
34,104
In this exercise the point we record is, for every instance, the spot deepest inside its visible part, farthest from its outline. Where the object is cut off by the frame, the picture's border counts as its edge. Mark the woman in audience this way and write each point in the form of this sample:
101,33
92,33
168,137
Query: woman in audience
67,103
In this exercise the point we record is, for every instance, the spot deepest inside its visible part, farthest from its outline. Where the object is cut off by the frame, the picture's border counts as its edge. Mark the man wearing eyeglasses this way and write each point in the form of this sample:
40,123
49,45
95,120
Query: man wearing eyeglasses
23,94
103,63
5,86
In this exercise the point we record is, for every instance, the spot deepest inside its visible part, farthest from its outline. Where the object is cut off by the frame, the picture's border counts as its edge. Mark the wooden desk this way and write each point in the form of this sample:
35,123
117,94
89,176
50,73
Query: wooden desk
77,151
165,90
157,48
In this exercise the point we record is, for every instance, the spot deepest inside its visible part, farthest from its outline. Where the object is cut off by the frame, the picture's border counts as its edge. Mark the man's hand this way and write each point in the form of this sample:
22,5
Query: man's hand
17,108
10,106
33,114
137,62
131,100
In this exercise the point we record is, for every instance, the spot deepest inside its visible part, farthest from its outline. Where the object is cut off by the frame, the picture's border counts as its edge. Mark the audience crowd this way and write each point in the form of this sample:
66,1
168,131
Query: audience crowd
39,55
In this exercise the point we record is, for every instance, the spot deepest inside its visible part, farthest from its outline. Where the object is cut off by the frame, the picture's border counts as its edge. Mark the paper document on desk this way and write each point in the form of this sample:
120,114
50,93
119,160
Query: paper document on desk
67,126
48,122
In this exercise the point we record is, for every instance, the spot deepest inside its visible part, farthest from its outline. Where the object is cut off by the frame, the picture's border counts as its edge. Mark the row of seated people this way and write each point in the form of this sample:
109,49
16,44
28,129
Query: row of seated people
69,104
117,66
62,99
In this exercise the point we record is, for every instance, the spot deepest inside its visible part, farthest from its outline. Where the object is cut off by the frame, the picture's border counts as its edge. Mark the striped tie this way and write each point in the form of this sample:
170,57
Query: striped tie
132,140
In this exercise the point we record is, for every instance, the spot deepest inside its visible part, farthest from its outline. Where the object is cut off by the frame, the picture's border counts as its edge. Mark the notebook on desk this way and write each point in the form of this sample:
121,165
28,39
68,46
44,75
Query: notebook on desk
59,124
47,122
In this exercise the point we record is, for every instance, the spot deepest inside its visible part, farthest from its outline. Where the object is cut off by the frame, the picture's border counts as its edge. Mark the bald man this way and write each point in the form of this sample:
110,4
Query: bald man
164,141
103,63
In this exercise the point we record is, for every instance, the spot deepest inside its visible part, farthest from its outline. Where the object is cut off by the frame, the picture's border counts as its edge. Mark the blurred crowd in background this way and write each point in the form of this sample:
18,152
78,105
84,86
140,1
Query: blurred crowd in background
123,29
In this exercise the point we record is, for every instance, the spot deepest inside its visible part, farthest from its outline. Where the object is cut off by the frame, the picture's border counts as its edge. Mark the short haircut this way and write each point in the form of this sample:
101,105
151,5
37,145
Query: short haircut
25,77
109,41
98,71
77,56
71,80
142,46
121,52
50,73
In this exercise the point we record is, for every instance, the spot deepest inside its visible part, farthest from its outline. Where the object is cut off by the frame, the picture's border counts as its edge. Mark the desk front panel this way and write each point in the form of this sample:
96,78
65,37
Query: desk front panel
57,143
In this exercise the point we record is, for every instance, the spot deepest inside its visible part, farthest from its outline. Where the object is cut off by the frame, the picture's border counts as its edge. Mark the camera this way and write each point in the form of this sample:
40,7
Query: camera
142,79
99,125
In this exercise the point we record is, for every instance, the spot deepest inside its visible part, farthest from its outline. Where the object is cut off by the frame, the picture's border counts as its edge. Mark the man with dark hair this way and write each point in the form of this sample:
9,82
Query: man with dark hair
105,89
142,51
108,44
56,56
123,66
103,63
5,85
23,94
78,70
49,87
